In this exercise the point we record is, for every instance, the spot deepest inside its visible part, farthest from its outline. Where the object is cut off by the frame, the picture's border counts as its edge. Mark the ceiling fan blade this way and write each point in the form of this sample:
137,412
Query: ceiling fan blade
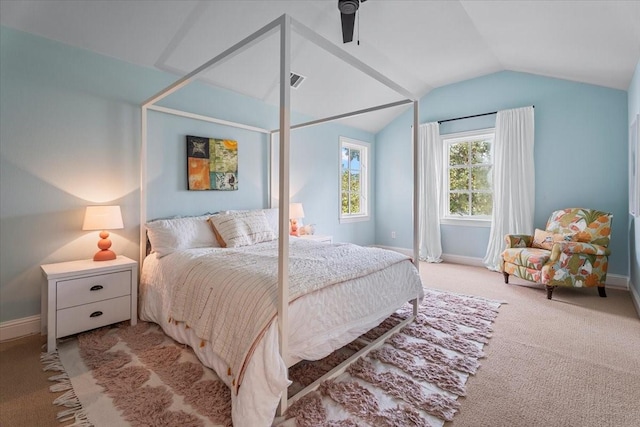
348,21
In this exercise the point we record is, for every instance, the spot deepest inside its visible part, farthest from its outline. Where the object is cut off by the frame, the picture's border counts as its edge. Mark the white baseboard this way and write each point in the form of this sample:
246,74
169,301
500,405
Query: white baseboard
19,328
404,251
31,325
465,260
615,281
454,259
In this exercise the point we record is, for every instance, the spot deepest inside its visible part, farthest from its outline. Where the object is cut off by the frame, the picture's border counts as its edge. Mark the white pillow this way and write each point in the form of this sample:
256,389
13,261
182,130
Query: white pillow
272,219
270,213
235,229
168,235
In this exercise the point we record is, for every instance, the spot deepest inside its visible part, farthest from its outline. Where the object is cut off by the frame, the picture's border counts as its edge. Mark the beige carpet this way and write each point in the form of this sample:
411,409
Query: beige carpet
571,361
25,399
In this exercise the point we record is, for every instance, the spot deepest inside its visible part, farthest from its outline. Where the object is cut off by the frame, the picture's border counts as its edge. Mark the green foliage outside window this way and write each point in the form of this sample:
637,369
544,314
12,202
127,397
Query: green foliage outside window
351,181
470,188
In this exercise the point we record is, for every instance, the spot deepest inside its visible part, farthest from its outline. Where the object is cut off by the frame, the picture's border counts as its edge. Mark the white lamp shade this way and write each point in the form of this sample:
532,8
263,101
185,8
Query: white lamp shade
296,211
102,218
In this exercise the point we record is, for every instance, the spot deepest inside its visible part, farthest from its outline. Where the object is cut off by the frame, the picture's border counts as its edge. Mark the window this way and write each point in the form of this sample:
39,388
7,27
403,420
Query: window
468,175
354,179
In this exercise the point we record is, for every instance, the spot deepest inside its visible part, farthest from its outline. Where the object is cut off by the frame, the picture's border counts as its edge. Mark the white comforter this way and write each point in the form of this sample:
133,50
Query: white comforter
320,322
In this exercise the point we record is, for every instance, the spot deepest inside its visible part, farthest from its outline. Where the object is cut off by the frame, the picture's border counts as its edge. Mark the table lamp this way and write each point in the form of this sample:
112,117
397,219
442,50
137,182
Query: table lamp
295,212
103,218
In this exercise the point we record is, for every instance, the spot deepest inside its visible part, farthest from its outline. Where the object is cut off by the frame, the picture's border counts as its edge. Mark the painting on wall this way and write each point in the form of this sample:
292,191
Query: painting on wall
212,164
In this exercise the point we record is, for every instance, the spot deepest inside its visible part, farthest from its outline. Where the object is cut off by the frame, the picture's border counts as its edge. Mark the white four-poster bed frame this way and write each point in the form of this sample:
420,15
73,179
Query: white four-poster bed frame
284,24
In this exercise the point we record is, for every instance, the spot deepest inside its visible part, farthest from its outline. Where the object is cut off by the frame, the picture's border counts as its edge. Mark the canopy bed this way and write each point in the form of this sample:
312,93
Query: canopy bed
257,372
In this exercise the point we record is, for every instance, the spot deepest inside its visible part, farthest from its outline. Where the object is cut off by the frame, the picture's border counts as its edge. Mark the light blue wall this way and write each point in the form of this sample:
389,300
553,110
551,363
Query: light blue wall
634,223
580,154
70,136
315,181
314,173
167,171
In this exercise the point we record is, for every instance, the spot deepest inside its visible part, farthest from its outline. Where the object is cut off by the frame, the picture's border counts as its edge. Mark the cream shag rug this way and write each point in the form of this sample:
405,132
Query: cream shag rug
138,376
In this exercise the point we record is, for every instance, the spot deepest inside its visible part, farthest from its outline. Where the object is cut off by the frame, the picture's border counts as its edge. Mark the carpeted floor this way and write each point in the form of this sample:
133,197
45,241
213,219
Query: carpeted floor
572,361
25,399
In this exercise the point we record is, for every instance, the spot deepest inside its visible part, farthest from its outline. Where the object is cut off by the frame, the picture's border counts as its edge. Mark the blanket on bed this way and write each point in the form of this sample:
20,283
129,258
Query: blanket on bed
230,296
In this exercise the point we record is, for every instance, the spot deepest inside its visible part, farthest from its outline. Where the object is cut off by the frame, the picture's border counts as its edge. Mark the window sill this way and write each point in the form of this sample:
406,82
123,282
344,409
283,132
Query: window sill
349,219
466,222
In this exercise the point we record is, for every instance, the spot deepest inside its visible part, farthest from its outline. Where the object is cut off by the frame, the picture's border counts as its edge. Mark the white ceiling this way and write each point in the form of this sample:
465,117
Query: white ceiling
420,45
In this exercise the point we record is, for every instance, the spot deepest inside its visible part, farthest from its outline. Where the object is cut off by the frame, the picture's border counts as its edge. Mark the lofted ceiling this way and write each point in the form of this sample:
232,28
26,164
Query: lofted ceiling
421,45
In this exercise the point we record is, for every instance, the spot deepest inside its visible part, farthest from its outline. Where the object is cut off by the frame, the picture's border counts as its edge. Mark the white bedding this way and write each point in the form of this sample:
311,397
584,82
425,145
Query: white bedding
320,322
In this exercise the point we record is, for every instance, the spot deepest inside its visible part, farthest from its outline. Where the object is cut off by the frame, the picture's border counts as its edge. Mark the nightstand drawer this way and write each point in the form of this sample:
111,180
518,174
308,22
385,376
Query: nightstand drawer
71,293
89,316
68,301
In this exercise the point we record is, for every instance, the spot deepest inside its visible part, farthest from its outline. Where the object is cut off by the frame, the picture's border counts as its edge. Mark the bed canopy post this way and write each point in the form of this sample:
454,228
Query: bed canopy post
283,207
285,24
416,196
143,182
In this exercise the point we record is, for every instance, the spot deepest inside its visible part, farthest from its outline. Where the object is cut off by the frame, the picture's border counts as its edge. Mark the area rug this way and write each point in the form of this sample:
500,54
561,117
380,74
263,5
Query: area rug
136,375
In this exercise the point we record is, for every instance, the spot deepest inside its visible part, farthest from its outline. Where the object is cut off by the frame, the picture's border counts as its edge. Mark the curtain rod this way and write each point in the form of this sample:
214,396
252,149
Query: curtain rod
469,117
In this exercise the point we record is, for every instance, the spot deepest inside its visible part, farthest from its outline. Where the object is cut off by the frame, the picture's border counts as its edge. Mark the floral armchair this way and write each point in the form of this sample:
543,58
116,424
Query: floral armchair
572,251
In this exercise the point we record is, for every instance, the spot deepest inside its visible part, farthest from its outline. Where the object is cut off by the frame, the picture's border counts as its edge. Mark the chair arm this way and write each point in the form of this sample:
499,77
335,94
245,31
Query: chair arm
518,240
570,248
576,264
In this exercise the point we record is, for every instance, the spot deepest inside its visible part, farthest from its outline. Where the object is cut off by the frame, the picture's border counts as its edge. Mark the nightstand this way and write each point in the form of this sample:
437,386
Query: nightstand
87,294
318,238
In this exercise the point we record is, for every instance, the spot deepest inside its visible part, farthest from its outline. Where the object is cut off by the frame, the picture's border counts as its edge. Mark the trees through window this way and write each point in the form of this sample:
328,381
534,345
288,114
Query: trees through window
468,172
354,178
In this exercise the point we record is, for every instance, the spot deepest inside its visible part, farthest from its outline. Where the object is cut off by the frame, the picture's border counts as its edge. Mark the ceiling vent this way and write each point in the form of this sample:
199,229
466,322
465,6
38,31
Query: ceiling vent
296,80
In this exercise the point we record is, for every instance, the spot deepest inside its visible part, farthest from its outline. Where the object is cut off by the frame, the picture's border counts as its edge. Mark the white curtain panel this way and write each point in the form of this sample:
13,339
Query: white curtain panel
430,191
514,181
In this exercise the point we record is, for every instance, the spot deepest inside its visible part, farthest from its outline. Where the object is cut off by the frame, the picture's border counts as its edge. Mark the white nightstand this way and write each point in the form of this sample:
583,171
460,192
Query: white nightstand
318,238
87,294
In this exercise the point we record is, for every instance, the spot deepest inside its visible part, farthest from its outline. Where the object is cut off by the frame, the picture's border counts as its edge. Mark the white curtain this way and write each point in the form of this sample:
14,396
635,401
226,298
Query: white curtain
430,190
514,181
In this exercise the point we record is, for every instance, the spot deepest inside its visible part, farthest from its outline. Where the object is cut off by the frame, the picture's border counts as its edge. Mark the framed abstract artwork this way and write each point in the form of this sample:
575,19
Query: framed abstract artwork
212,164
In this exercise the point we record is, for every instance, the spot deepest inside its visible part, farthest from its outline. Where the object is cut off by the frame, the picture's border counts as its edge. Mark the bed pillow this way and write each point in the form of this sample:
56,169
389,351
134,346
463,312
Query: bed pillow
545,239
169,235
235,229
272,219
270,213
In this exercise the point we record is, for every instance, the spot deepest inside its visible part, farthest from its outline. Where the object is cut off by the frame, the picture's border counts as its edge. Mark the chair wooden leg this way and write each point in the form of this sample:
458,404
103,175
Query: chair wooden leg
549,291
506,277
601,292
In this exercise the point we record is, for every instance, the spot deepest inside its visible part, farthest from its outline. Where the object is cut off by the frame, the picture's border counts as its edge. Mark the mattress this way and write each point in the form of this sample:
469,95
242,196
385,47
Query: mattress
319,322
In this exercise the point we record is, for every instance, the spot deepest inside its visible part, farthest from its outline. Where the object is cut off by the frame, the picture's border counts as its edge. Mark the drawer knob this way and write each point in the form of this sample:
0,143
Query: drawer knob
96,314
96,288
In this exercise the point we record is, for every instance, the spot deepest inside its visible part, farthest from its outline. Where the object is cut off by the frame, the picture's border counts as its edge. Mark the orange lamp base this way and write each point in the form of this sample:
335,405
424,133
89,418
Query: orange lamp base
104,254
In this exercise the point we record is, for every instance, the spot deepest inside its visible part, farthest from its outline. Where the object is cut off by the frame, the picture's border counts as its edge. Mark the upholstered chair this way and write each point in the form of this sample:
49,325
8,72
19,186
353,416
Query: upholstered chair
572,251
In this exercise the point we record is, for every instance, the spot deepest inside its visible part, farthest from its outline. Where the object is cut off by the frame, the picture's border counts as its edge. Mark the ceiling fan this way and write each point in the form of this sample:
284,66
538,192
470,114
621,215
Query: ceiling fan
348,9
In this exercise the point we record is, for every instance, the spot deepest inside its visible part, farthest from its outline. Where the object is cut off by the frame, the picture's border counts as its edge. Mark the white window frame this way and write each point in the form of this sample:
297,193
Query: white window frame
365,149
447,141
